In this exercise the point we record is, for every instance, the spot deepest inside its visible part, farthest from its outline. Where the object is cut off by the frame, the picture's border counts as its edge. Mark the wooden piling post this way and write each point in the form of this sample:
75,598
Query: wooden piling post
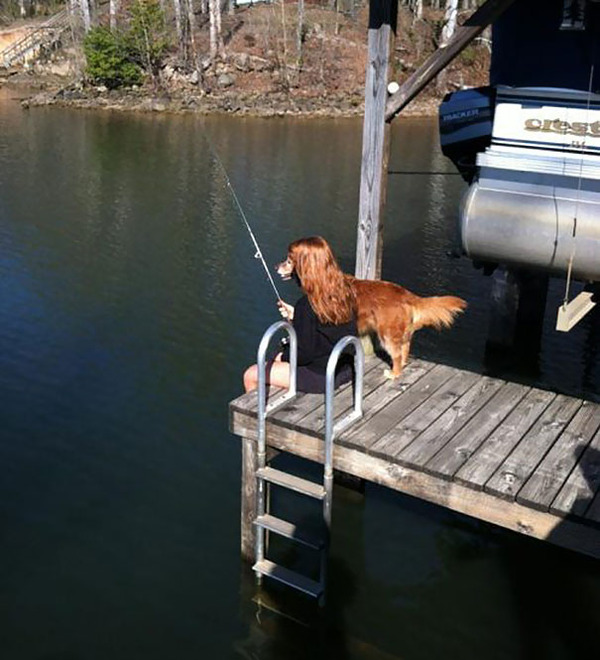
249,494
376,139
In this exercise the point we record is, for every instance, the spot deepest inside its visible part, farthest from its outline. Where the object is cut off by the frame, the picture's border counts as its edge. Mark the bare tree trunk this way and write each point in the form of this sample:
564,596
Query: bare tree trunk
284,34
204,7
300,33
449,22
179,25
192,26
231,7
216,33
113,8
220,46
22,10
447,31
85,14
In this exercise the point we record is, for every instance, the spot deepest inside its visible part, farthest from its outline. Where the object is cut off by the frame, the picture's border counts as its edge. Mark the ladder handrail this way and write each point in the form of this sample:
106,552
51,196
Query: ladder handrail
261,359
263,411
332,429
359,359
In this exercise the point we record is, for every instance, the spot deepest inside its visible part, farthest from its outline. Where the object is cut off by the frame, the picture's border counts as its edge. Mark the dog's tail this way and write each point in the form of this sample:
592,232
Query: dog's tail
437,311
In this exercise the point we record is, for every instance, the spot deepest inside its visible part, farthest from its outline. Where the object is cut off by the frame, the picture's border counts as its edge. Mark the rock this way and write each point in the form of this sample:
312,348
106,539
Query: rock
62,69
101,89
168,72
242,62
225,80
193,78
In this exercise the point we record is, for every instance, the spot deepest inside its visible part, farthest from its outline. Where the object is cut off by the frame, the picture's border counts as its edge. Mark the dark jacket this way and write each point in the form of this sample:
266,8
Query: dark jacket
315,339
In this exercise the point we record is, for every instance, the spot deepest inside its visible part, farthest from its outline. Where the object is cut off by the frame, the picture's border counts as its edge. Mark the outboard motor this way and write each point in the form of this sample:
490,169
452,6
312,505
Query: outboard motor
466,120
535,199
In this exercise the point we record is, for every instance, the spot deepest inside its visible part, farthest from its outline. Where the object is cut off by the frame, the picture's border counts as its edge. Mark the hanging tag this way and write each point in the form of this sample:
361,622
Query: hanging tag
570,314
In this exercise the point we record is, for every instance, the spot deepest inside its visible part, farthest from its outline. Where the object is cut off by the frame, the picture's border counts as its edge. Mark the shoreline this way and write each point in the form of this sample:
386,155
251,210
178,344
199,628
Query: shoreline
41,93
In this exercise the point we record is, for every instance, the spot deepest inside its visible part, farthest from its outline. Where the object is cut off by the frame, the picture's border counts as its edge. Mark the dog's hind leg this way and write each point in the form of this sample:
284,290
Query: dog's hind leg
398,351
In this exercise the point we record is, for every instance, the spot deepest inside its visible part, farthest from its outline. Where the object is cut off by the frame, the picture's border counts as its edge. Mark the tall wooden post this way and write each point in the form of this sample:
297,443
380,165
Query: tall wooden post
249,494
376,139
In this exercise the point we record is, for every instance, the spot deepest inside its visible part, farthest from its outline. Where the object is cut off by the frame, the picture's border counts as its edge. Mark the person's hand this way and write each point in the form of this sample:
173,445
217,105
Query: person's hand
287,311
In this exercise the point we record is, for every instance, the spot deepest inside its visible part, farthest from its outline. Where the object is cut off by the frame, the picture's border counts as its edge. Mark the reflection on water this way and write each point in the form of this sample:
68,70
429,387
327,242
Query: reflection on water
130,303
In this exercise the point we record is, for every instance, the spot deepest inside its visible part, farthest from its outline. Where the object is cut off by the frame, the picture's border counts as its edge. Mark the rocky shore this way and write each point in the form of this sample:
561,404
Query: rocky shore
156,100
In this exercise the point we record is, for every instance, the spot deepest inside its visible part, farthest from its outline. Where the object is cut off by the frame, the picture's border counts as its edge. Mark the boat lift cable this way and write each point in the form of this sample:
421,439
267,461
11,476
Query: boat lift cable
258,254
574,233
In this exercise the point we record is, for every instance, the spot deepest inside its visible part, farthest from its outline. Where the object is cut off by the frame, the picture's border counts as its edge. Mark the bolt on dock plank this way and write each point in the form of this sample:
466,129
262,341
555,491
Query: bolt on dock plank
512,455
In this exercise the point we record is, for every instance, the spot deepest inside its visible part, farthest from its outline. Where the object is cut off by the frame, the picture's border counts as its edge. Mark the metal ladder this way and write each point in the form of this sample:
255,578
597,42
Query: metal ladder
267,475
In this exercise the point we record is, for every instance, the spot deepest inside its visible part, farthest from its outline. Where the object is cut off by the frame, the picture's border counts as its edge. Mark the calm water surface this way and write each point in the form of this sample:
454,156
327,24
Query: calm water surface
130,303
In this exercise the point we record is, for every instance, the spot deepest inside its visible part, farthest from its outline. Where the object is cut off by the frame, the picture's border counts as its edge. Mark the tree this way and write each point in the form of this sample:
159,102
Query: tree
146,39
108,61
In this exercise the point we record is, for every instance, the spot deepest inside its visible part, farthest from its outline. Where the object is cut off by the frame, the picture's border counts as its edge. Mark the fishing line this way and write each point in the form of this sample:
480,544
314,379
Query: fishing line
258,254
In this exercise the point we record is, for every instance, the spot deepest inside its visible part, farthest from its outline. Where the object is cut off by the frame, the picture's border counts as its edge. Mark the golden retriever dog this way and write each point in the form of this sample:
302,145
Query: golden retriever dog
387,309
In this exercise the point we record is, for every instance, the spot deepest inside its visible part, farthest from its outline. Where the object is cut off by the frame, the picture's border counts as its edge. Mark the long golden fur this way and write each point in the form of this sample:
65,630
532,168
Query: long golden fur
389,310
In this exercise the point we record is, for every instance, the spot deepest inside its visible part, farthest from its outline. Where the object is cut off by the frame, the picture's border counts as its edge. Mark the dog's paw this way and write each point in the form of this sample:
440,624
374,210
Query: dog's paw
389,374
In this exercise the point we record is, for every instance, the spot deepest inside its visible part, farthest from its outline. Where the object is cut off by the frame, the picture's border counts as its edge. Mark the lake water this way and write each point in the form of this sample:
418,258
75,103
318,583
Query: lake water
130,303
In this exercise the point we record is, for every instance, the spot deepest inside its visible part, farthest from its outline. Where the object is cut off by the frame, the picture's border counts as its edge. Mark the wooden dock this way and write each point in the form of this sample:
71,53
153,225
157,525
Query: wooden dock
516,456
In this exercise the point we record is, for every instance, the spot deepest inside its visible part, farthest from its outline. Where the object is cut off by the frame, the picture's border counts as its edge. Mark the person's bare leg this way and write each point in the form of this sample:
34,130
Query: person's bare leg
278,375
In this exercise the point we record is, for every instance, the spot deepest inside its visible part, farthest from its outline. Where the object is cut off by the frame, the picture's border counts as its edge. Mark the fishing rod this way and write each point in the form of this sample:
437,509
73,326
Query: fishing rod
258,254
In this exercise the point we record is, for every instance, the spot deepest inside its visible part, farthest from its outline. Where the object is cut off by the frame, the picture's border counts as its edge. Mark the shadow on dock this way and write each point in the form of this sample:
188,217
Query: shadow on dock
557,605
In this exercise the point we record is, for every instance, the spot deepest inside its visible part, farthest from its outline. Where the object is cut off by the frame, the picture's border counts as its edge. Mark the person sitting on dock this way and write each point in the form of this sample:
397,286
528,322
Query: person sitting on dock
323,316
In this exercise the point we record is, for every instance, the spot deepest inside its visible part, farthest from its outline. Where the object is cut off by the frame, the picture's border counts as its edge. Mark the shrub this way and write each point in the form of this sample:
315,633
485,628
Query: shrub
108,61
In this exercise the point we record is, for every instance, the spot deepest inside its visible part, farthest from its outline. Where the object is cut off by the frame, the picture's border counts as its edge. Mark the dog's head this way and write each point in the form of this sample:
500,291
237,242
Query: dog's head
286,268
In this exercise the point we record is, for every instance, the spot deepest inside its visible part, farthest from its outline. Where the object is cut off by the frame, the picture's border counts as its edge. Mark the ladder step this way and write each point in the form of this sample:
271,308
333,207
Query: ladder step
290,531
291,481
289,577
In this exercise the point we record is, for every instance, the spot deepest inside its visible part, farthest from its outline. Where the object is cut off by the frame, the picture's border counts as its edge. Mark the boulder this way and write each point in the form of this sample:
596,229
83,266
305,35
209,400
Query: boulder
225,80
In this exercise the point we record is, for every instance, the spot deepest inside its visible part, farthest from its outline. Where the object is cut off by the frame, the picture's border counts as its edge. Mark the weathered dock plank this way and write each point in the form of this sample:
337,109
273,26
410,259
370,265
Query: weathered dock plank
408,428
465,443
542,487
390,406
578,491
377,389
482,465
434,438
516,469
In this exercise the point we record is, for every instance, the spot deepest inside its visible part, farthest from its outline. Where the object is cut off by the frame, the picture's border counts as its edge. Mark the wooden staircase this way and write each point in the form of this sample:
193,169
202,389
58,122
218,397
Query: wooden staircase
44,35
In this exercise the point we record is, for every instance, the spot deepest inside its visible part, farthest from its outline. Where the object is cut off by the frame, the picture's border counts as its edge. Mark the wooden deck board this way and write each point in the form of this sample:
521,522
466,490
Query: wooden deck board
584,481
544,484
465,443
497,448
519,457
374,384
396,400
516,469
408,428
434,438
